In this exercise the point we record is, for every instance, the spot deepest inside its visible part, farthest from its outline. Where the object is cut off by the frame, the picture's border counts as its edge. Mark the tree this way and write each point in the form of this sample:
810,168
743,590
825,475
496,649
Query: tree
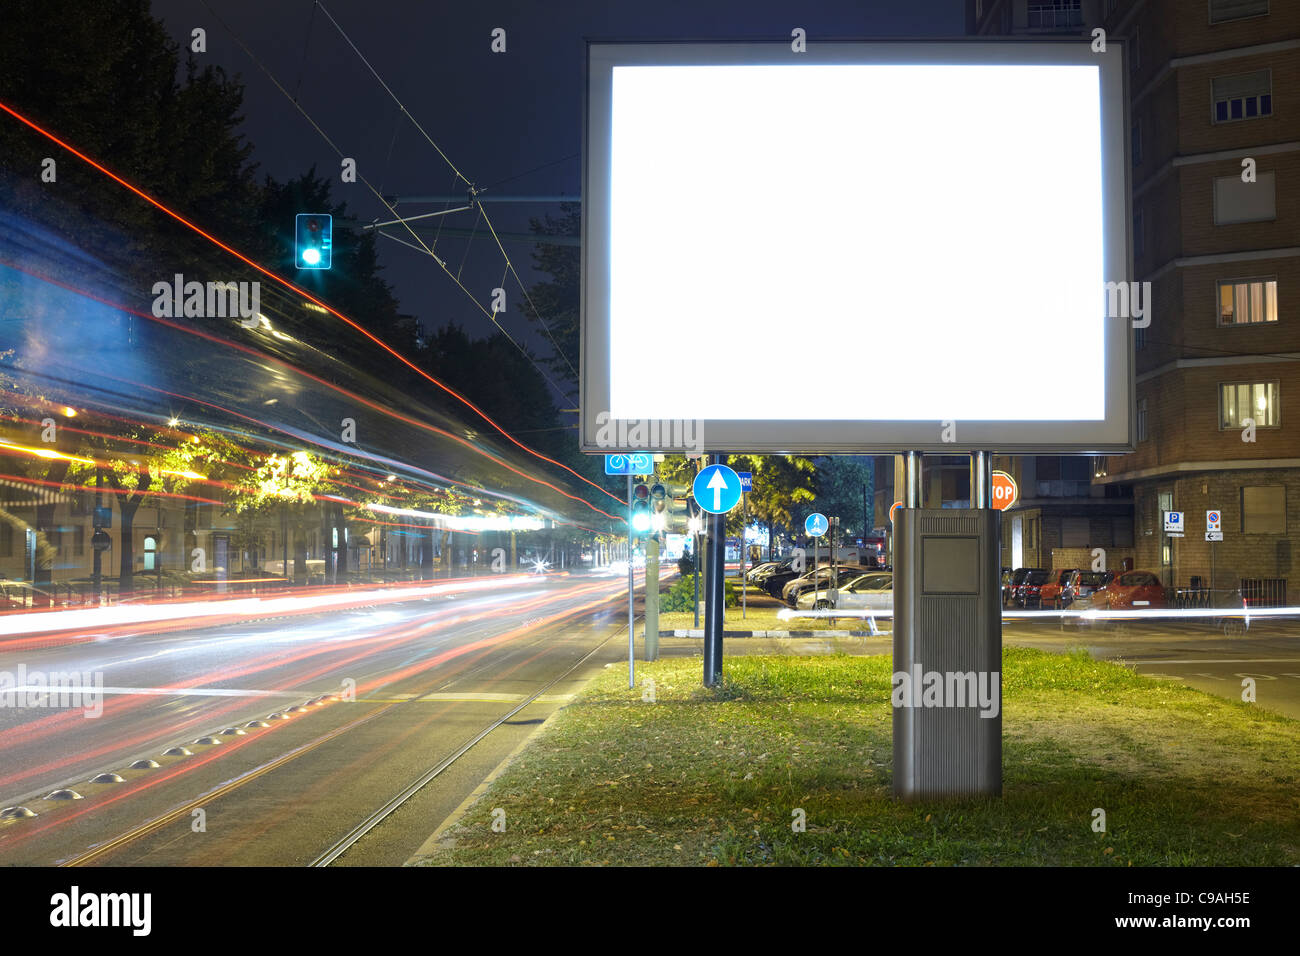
556,303
782,487
109,87
841,482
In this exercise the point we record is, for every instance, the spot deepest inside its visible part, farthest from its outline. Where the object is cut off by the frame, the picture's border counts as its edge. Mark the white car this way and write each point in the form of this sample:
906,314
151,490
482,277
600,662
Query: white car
873,590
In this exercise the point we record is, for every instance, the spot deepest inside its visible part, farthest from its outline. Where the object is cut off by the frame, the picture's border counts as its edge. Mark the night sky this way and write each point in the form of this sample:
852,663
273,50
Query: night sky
497,116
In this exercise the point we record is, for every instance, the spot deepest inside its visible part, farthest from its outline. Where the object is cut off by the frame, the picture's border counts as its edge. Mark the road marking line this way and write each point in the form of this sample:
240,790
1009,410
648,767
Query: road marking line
1229,660
484,698
160,691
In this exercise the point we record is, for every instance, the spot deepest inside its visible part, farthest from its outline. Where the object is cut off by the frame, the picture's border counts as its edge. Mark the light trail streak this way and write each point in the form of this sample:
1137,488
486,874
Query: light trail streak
306,295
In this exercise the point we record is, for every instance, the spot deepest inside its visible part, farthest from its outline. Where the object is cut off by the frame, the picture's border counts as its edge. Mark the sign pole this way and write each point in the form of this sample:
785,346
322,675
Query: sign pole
744,554
631,646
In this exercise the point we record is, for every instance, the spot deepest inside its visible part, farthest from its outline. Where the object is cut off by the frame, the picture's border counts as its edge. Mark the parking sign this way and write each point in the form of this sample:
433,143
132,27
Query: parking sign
1173,522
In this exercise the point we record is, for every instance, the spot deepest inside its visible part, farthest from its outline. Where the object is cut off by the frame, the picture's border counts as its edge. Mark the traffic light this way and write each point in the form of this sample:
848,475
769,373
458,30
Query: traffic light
658,507
314,240
640,508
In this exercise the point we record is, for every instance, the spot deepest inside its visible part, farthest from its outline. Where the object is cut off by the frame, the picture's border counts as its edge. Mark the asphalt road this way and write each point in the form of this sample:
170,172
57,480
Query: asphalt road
407,682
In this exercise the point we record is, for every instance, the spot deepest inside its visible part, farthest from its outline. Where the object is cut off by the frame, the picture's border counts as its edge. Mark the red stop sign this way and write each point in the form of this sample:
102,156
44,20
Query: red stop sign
1005,491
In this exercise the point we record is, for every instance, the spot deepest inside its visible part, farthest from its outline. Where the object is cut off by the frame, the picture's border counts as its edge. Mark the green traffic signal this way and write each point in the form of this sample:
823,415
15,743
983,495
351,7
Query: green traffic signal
314,240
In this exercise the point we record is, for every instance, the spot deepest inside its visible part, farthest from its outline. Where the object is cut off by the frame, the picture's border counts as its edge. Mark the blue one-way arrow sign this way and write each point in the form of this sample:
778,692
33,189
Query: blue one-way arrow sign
717,489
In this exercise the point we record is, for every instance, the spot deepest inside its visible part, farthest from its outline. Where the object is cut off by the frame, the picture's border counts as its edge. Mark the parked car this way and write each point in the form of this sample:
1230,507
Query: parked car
845,573
1134,590
1025,594
775,583
760,571
874,589
1081,584
1049,595
1012,589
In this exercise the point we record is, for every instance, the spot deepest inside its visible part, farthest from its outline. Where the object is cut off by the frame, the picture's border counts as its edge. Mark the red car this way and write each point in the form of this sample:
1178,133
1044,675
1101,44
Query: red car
1049,595
1133,591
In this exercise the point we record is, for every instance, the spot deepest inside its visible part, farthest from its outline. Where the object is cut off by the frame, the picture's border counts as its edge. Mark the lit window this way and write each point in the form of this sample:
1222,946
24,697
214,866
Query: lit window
1247,301
1254,401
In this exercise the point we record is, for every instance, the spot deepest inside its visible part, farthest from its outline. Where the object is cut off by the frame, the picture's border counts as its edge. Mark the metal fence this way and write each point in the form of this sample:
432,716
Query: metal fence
1264,592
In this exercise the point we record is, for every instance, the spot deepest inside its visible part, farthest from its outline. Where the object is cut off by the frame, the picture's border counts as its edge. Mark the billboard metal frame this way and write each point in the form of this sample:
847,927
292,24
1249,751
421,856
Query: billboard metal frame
1113,434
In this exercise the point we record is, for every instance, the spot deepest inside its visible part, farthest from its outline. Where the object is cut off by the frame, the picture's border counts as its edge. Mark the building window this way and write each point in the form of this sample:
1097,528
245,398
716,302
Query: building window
1263,509
79,541
1242,96
1253,401
150,553
1235,201
1142,419
1074,532
6,539
1140,337
1135,134
1053,14
1247,301
1122,530
1148,514
1221,11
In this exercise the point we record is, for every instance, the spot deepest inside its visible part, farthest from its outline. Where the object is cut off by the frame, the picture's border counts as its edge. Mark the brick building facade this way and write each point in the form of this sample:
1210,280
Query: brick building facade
1215,146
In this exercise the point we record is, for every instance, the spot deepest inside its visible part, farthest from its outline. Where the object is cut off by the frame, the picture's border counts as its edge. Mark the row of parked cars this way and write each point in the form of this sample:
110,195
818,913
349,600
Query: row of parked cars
854,585
1060,588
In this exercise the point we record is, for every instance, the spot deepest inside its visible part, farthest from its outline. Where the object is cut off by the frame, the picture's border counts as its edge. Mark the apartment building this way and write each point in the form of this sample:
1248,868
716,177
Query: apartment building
1215,148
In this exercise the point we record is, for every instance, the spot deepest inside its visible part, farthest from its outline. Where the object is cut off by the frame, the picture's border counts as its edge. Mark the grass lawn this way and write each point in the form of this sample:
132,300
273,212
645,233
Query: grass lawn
714,777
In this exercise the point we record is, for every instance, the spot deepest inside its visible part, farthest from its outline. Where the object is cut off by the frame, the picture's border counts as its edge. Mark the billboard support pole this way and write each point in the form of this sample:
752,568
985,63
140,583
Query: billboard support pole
912,489
981,479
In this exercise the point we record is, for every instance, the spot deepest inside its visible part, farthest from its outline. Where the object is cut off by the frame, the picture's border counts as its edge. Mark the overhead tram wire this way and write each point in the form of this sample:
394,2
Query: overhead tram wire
473,191
392,209
302,292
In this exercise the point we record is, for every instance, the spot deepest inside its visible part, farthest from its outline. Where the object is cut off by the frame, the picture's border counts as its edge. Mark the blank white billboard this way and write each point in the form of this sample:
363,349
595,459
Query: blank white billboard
871,246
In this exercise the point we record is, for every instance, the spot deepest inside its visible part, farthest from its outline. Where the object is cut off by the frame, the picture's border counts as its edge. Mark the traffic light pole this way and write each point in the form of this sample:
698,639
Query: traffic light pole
714,602
652,598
